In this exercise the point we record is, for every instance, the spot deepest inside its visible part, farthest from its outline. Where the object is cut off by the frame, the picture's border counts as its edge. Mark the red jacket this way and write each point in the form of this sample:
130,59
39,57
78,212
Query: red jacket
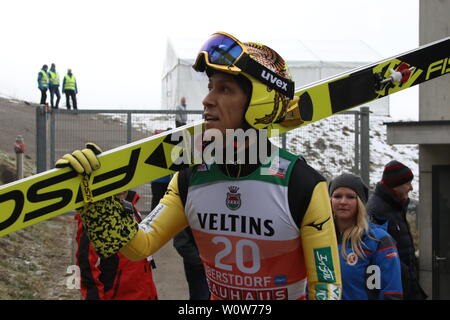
114,278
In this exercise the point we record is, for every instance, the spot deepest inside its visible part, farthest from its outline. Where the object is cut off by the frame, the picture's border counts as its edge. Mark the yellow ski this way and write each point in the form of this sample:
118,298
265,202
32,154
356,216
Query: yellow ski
48,194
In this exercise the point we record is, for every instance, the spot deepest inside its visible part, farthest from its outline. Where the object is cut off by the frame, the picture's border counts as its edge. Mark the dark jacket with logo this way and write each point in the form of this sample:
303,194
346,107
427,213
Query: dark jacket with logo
386,210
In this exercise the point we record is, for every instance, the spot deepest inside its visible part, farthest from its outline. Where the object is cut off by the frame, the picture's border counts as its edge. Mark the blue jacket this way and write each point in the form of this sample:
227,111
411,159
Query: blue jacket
378,276
165,179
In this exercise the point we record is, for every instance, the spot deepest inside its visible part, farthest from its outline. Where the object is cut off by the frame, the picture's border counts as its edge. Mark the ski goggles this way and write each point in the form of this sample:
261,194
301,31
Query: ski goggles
224,52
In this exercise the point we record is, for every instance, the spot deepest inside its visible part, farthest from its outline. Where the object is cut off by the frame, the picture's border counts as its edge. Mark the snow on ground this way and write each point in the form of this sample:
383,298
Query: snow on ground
327,145
381,153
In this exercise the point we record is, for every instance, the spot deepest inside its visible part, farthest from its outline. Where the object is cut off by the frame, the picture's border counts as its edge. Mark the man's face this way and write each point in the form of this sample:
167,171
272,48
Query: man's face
122,195
225,104
402,191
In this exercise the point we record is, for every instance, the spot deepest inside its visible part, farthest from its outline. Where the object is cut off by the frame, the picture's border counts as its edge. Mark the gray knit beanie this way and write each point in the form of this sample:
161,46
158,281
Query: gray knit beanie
354,182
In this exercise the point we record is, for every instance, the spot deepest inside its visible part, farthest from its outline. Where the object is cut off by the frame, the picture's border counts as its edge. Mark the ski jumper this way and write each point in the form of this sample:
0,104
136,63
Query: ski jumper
265,235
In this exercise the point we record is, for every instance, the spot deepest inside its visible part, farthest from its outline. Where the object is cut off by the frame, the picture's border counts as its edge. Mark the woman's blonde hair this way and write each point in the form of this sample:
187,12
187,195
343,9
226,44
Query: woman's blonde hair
356,233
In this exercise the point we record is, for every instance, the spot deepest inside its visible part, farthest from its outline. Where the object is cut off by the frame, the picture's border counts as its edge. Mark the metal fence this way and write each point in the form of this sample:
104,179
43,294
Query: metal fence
332,146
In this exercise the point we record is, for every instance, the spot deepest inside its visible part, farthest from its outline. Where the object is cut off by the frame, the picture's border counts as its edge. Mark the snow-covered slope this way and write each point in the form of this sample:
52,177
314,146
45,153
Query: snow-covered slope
328,146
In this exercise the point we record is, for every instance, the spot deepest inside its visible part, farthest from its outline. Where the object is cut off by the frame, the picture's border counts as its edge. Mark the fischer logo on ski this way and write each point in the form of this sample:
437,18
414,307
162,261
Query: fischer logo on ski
436,66
59,198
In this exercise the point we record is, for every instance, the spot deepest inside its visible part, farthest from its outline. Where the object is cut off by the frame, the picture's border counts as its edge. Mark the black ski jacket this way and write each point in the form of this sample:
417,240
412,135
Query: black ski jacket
386,210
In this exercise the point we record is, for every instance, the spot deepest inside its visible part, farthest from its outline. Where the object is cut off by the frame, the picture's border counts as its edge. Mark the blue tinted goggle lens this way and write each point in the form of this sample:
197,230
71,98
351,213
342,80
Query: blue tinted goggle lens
222,50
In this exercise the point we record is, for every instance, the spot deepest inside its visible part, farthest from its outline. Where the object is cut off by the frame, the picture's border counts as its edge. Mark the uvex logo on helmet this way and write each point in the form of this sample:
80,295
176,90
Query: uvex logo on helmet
273,79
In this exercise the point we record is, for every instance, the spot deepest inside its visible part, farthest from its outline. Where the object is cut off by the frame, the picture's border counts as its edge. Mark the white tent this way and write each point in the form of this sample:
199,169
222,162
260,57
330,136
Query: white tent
308,61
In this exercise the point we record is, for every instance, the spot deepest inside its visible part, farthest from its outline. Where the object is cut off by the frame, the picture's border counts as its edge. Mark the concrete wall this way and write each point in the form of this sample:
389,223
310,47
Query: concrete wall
429,155
434,24
434,104
435,132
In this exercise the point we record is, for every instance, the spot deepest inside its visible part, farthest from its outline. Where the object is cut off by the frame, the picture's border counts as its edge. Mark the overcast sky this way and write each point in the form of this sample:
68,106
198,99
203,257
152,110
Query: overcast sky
116,49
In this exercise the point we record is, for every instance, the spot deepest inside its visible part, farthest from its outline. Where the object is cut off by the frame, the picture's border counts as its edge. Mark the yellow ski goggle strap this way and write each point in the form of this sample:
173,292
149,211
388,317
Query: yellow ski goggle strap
225,53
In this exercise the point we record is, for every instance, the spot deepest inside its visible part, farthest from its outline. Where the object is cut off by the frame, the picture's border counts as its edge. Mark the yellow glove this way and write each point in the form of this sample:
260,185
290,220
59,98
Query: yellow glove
84,161
110,225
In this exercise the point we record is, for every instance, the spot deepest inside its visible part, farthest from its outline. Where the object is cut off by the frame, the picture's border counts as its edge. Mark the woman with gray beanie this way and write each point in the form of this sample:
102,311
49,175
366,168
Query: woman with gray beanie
370,266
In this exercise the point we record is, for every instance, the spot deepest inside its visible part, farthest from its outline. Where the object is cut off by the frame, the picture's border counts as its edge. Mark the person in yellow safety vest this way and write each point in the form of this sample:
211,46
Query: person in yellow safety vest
43,83
70,89
54,86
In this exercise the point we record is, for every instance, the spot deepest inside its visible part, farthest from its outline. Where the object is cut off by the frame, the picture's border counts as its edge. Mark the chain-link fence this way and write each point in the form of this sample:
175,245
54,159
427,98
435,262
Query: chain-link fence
331,146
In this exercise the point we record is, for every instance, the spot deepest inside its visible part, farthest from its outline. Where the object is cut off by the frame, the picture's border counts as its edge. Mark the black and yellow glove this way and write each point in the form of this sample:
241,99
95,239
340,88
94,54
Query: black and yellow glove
82,161
110,225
